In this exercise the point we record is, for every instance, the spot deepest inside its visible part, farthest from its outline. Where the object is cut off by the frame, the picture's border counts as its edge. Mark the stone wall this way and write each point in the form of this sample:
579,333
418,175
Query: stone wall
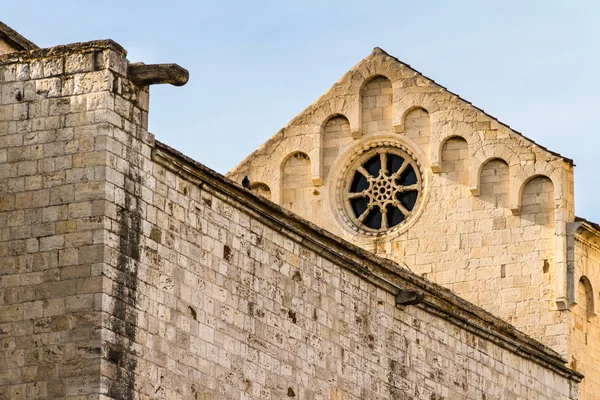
491,224
298,192
252,307
336,135
55,115
584,332
376,101
129,271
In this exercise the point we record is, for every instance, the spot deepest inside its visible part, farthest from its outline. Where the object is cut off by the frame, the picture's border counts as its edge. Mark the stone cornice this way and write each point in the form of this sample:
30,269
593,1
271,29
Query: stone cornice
587,232
57,51
380,272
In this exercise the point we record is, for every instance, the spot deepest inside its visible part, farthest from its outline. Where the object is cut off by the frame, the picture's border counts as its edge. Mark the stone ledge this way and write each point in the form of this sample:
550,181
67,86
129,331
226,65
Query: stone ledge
22,56
378,271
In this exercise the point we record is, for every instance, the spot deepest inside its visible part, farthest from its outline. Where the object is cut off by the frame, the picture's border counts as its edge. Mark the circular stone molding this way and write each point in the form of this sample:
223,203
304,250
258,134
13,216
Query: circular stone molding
380,188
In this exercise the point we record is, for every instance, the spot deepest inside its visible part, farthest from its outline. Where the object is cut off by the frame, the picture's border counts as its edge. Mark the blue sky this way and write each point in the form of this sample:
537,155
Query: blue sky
254,65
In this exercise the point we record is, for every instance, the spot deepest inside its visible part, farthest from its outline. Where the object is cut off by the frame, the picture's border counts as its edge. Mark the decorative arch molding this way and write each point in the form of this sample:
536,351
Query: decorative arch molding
369,78
307,144
366,71
405,103
315,166
261,188
524,175
373,68
313,119
478,167
332,108
442,132
330,117
293,154
281,168
322,136
366,123
591,303
482,156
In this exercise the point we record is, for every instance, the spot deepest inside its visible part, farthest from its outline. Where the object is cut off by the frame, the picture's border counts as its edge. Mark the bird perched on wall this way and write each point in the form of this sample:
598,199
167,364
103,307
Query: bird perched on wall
246,183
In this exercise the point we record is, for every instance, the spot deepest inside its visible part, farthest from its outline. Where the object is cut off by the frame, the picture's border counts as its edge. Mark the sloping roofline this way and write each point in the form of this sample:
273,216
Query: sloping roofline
589,225
570,161
378,271
375,51
15,38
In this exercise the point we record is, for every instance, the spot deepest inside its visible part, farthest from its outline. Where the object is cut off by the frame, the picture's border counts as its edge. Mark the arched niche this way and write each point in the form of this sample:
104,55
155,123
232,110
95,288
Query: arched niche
494,182
455,159
537,201
443,132
417,127
261,189
484,154
336,134
296,182
586,305
376,105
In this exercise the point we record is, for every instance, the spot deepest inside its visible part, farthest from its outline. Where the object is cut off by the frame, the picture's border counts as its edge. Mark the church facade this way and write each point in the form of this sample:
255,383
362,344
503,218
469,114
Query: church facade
395,163
395,243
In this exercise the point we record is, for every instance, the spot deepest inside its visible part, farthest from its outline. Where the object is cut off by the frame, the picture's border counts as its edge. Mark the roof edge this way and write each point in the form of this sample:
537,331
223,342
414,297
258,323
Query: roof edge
376,270
16,39
380,51
591,228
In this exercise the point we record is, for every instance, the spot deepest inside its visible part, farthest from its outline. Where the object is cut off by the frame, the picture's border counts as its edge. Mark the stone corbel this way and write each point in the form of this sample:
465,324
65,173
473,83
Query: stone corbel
151,74
355,119
316,165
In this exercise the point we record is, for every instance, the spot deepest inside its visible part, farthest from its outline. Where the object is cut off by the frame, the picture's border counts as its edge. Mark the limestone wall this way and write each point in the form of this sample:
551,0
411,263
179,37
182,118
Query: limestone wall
130,271
491,220
584,331
54,130
243,305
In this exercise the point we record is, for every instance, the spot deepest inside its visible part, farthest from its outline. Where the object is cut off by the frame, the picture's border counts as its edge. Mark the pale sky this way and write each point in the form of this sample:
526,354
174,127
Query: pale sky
254,65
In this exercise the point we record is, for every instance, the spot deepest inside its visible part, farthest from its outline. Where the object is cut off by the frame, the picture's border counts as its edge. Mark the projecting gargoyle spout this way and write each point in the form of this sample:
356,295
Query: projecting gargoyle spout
407,297
153,74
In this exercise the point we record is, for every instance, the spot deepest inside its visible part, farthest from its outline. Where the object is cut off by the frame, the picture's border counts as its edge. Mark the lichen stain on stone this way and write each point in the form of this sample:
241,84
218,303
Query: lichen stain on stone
124,318
156,234
396,375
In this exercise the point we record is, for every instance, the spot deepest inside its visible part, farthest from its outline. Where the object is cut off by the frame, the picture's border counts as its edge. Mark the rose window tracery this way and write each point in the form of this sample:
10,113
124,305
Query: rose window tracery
382,190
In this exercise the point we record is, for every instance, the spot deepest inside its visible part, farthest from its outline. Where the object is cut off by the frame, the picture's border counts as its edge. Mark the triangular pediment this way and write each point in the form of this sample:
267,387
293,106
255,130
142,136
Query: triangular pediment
399,165
450,116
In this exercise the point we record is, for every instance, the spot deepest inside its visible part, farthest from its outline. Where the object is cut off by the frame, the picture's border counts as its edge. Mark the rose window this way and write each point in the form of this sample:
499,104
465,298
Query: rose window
383,189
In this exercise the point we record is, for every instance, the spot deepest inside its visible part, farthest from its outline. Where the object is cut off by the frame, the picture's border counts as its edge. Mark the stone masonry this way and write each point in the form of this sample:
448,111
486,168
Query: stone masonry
129,271
494,217
59,115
